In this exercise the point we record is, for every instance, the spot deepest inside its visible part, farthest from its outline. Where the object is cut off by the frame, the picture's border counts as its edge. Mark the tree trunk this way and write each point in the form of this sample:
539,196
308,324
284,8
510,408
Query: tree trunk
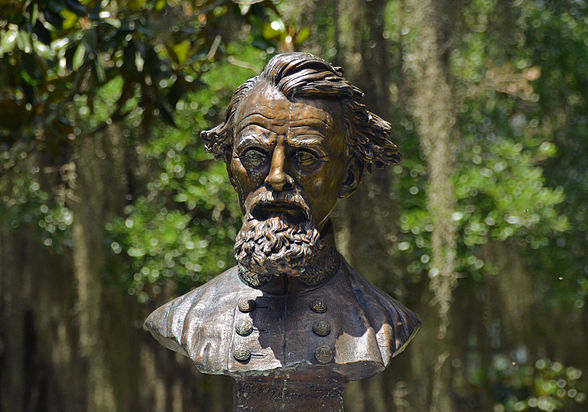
39,368
432,108
367,222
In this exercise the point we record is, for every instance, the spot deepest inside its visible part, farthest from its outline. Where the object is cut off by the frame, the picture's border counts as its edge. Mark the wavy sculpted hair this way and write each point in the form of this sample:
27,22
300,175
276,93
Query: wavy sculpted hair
304,75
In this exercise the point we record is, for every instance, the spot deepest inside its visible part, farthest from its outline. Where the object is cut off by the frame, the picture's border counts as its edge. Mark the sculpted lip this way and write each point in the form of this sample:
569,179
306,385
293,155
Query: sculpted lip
264,210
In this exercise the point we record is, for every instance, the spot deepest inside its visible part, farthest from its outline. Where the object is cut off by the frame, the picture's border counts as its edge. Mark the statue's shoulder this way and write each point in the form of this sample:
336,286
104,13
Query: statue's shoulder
184,323
395,325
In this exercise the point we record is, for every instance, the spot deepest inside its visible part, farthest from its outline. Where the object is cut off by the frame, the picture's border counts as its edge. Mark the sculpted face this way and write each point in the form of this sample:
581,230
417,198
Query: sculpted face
289,164
289,147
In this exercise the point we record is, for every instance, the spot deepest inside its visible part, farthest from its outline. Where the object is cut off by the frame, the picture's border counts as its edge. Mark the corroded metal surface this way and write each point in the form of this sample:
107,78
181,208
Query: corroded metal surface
292,322
268,395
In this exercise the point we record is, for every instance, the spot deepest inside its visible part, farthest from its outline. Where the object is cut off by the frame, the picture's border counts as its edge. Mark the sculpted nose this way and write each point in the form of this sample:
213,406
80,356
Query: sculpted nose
277,179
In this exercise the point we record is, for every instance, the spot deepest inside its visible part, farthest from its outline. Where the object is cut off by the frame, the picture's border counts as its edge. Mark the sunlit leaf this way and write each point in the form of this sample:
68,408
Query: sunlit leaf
23,41
79,56
160,5
7,41
302,35
35,14
69,19
272,31
136,4
182,51
139,61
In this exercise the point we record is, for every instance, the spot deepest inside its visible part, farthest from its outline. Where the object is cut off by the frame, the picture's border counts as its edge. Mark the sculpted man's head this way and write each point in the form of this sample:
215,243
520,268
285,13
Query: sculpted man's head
295,139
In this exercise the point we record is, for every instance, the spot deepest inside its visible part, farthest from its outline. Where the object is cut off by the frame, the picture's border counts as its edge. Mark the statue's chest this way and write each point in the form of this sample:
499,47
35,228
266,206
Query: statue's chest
282,331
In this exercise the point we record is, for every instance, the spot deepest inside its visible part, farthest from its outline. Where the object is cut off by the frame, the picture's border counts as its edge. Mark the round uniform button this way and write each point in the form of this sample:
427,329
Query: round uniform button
318,306
246,305
241,353
321,328
244,327
323,354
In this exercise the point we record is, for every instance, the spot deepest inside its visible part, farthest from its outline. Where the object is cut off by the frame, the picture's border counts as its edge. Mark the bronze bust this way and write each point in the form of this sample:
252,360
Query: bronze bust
295,139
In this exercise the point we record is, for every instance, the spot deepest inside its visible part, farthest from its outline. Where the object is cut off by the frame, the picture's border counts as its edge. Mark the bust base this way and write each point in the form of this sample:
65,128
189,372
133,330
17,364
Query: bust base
262,394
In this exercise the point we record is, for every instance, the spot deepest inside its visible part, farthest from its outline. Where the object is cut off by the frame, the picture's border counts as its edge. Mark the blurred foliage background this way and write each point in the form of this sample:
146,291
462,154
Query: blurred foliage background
109,205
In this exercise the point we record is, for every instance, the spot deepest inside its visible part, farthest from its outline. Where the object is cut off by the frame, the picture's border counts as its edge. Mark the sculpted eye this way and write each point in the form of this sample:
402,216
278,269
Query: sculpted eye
306,159
253,158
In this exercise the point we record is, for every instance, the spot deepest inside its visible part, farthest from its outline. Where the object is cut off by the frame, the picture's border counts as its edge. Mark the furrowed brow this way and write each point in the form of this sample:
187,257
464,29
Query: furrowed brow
256,119
318,125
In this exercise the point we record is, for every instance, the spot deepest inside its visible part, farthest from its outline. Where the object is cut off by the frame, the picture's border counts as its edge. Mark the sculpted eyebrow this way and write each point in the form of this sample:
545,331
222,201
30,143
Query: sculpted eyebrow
250,140
252,119
309,142
320,126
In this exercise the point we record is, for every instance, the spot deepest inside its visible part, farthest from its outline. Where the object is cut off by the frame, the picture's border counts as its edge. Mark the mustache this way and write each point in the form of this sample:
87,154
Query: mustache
276,201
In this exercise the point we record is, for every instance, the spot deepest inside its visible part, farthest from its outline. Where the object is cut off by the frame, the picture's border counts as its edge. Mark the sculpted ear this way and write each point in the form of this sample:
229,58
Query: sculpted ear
228,158
352,177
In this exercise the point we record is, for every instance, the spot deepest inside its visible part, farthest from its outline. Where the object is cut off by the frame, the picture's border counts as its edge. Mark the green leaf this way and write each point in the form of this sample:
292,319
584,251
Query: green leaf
274,30
139,61
160,5
136,4
79,56
70,19
23,41
7,41
302,35
99,67
35,14
113,22
182,51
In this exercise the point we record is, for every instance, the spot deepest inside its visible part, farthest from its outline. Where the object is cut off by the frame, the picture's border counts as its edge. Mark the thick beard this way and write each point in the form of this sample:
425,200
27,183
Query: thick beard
275,246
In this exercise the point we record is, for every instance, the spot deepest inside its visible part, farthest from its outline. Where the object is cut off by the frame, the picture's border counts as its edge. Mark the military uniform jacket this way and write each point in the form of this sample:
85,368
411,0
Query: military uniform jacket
345,327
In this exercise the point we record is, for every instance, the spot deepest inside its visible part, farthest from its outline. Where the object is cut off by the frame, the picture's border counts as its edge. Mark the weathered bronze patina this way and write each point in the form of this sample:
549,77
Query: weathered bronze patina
292,322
